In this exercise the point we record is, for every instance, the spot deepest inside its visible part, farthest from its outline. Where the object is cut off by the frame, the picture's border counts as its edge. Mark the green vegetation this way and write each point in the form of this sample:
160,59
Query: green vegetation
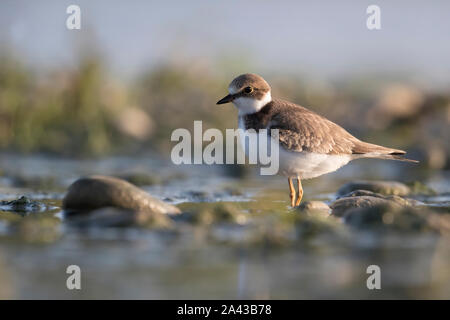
86,111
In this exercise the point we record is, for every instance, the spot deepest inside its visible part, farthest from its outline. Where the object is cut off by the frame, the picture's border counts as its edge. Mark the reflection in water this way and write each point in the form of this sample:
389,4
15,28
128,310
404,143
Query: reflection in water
242,277
6,287
263,256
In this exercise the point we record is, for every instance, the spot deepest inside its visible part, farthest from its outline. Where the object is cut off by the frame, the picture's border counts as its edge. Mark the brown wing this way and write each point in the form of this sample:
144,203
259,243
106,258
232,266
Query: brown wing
303,130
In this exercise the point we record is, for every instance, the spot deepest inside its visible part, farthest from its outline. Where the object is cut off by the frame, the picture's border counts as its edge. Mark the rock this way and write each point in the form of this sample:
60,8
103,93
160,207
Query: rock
382,187
396,199
360,193
342,205
22,205
389,217
114,217
95,192
314,208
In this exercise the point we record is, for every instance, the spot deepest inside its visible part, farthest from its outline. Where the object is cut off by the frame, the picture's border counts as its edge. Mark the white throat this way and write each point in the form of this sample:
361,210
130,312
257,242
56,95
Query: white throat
250,105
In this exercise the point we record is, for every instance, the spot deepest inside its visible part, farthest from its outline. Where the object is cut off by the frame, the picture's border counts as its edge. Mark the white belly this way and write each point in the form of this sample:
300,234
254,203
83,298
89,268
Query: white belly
303,165
307,165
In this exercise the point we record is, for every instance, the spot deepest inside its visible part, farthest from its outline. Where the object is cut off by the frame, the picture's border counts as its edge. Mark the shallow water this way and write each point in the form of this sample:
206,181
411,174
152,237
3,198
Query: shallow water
262,255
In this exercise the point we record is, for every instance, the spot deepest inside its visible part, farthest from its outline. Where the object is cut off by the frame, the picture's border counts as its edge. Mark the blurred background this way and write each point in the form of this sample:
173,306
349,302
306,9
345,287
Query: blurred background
136,71
105,100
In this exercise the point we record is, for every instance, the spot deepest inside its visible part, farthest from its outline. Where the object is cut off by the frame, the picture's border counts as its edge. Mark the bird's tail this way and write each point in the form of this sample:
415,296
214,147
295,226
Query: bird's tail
369,150
397,157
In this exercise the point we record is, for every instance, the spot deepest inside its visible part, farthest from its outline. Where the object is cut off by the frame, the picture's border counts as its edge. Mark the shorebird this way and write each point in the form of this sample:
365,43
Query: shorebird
310,144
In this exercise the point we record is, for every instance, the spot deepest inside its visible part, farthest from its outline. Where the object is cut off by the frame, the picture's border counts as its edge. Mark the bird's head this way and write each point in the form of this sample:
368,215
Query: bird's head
248,92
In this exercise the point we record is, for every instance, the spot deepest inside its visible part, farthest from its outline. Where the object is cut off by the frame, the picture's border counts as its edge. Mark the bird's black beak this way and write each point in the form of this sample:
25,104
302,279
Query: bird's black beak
226,99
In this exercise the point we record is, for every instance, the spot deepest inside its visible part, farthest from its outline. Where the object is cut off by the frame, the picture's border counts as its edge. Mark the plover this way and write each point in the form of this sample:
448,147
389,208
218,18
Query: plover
310,145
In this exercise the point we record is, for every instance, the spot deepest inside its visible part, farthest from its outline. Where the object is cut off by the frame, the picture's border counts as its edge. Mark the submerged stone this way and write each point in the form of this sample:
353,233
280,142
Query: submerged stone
397,199
342,205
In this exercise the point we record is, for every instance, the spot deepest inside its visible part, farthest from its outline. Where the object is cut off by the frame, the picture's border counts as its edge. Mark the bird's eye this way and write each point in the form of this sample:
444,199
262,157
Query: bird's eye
248,89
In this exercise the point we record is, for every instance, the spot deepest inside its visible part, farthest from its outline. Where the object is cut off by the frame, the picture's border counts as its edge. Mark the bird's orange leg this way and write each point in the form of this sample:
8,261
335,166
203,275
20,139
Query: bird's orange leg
292,194
300,193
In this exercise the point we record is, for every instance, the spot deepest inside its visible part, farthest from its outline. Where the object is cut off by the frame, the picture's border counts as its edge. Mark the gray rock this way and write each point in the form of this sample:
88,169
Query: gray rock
360,193
381,187
95,192
342,205
397,199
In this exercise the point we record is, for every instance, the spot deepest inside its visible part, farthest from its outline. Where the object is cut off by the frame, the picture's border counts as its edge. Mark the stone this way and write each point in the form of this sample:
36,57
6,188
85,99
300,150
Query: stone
342,205
397,199
95,192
